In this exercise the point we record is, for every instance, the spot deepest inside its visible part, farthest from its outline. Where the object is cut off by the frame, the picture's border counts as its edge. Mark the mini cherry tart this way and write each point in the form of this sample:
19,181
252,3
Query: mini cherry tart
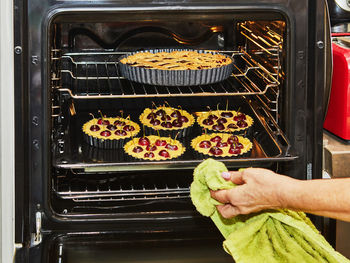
224,121
155,148
113,128
221,144
166,118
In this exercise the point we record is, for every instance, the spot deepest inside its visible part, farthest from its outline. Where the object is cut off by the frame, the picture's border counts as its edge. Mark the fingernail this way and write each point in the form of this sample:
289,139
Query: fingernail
226,175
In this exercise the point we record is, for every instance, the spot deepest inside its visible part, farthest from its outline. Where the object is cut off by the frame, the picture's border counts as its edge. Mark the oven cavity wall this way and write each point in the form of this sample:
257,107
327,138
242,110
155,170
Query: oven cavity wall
85,78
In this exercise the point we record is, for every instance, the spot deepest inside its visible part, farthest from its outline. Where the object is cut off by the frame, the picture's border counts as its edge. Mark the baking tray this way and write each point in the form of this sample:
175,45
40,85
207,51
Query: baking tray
175,77
269,145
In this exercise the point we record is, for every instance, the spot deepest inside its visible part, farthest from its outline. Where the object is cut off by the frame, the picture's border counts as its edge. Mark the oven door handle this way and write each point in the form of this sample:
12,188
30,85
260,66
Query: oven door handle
328,61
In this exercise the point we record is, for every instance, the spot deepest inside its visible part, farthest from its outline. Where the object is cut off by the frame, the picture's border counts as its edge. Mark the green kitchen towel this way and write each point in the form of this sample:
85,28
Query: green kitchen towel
269,236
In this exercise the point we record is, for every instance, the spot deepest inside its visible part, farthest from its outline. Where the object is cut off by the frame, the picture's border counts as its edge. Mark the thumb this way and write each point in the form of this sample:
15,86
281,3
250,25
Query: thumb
235,177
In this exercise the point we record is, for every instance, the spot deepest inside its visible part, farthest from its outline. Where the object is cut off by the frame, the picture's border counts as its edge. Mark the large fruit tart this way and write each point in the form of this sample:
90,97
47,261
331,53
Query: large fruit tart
177,60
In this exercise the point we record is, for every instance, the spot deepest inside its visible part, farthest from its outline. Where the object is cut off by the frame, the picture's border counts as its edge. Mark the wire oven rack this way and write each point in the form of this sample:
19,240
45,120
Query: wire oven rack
257,71
96,76
120,188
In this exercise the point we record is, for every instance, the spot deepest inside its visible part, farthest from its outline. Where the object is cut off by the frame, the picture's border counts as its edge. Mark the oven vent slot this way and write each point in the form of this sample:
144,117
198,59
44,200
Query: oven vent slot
120,187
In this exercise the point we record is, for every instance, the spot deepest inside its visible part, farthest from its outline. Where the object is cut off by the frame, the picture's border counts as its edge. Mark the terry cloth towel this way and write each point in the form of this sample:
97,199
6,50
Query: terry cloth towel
269,236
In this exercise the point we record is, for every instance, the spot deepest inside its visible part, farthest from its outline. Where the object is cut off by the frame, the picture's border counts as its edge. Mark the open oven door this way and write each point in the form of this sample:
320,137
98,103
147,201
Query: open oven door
126,247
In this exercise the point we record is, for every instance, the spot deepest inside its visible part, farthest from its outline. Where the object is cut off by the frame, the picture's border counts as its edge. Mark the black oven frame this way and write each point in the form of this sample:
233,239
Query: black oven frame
308,55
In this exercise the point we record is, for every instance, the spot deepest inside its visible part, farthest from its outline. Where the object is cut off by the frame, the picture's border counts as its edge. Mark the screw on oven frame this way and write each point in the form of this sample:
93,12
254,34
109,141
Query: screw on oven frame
18,50
320,44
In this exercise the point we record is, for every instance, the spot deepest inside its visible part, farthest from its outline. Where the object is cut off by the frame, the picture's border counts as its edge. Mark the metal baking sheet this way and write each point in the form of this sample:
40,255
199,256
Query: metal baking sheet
77,154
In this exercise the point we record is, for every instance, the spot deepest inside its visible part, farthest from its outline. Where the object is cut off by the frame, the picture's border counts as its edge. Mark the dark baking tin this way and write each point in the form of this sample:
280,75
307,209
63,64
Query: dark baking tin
175,77
105,144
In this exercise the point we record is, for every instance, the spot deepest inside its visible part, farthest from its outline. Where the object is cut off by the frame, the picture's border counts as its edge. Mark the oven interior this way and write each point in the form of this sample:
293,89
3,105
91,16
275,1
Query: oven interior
84,78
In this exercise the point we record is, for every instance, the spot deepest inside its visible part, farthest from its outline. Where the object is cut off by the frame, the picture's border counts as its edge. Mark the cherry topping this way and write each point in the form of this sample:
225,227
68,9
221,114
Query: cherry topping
240,117
242,124
175,114
233,139
129,128
171,147
111,127
160,142
208,122
216,139
149,155
205,144
119,123
226,114
155,122
177,123
165,118
151,148
213,117
94,128
218,127
239,145
232,126
221,120
164,154
183,119
120,133
152,115
234,150
166,124
144,141
161,113
137,149
106,133
103,122
221,144
215,151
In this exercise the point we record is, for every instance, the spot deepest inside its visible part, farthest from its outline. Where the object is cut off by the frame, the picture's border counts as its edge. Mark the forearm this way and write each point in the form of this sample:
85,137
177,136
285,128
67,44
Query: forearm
328,197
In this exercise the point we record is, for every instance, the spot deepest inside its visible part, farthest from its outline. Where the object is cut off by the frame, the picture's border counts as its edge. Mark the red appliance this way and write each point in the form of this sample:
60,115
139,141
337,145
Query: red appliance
338,115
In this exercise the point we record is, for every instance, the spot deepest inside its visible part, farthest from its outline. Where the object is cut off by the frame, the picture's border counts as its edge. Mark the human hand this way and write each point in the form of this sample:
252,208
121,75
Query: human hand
257,189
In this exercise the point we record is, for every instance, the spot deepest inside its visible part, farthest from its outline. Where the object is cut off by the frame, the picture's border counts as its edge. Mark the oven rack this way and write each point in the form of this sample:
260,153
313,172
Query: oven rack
95,75
269,143
120,188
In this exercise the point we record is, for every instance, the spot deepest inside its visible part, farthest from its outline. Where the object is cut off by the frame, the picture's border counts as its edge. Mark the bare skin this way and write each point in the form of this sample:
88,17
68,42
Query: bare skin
260,189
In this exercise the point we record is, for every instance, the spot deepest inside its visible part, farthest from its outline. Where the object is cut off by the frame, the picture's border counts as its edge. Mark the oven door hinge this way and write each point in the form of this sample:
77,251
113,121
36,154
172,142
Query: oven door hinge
37,236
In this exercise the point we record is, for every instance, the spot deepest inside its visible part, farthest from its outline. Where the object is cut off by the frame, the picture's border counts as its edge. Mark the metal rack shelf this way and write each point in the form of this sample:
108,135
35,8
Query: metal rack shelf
96,76
119,188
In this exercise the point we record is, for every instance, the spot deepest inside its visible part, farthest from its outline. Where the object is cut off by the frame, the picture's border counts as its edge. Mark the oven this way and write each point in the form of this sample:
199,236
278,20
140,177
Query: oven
77,202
